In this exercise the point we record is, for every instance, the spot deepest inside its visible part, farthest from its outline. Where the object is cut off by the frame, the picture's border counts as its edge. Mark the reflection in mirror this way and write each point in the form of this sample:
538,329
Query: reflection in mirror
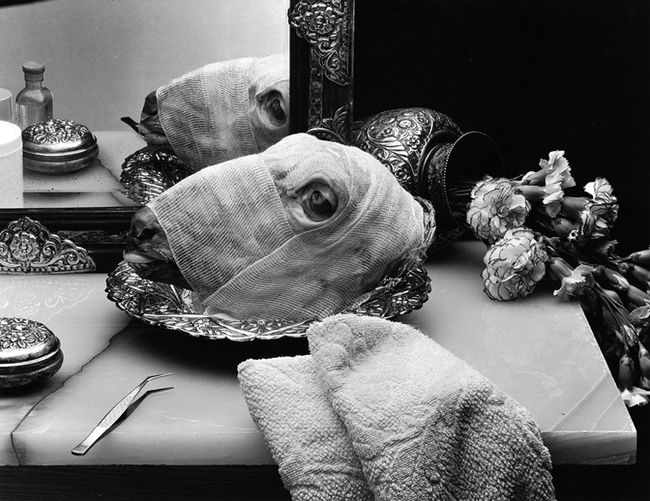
102,60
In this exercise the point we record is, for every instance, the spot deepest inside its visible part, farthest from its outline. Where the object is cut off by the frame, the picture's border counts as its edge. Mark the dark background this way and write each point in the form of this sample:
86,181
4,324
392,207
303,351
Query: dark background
535,75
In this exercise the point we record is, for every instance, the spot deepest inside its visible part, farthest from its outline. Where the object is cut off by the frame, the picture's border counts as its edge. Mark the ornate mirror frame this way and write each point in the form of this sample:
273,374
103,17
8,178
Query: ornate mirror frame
322,49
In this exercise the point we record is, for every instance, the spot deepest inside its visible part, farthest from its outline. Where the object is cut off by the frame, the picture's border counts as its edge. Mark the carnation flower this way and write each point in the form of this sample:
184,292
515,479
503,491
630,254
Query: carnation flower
580,281
555,174
602,204
495,208
557,180
644,366
599,215
632,395
514,265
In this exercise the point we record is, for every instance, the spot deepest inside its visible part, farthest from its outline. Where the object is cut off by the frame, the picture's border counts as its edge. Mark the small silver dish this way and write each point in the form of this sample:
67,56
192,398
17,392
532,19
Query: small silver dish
29,352
58,147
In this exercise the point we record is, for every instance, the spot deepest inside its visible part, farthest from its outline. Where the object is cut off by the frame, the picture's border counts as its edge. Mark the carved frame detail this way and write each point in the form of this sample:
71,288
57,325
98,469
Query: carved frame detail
322,41
26,246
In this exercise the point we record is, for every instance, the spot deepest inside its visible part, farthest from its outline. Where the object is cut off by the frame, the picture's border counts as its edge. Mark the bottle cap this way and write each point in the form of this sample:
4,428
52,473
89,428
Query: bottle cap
10,138
33,71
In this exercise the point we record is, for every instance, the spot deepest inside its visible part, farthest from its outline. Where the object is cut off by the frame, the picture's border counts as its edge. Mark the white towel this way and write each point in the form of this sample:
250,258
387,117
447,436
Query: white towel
306,437
421,422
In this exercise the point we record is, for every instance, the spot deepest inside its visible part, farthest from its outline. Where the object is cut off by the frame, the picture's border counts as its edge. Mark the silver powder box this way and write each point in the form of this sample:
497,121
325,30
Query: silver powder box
29,352
58,147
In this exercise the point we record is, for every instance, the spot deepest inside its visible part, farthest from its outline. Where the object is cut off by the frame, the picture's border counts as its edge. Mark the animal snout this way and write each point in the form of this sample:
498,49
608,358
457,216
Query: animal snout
145,240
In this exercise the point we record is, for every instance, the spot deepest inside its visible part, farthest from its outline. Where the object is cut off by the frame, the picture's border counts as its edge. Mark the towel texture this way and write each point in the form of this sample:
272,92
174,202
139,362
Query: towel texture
286,400
421,422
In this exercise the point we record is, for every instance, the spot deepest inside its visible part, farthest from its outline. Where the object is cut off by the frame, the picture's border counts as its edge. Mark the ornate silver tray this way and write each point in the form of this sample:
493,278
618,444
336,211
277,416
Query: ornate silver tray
405,288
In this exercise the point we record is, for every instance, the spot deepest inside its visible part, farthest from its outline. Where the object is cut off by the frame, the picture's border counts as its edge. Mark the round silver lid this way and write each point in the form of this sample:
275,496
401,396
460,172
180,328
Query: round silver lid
25,340
57,136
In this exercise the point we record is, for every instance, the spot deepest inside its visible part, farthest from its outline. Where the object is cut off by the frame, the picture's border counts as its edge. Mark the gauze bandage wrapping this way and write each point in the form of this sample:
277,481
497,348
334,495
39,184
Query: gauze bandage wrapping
230,233
207,113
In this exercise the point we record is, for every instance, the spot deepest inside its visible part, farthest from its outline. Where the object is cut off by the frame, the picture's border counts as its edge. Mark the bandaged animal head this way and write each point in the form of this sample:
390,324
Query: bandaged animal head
296,232
226,110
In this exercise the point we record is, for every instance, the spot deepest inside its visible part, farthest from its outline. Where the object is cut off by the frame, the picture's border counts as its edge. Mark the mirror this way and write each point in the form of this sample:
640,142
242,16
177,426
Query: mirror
101,61
103,58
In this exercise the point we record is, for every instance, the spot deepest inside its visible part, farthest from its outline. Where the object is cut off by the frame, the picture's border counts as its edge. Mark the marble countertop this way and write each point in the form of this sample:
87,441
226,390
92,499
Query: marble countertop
538,350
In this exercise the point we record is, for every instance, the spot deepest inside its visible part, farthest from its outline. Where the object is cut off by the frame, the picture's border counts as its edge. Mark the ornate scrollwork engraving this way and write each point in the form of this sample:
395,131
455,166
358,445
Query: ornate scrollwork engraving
323,29
414,143
334,128
400,138
26,246
56,131
324,24
22,334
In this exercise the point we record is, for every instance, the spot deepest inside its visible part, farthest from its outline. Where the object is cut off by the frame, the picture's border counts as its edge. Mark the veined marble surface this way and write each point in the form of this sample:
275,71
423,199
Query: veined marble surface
538,350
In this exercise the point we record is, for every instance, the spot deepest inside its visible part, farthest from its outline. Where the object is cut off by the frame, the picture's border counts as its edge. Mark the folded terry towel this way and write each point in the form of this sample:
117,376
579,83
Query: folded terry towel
306,437
421,423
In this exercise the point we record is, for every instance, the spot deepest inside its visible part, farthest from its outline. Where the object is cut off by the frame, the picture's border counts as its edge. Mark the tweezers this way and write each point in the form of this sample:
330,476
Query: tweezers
114,415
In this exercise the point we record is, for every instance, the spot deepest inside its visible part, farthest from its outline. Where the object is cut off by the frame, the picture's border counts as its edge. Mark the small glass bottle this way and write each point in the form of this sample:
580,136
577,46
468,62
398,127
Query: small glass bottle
34,102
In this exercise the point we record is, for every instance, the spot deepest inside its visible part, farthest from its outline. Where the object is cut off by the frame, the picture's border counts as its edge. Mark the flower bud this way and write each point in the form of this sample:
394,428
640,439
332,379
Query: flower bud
629,334
573,206
644,365
611,324
532,193
626,372
636,296
641,257
563,227
641,275
535,177
559,268
613,279
613,296
639,317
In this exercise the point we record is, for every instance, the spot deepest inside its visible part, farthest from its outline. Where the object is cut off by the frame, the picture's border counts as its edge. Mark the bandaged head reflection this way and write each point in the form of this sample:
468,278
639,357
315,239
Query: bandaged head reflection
221,111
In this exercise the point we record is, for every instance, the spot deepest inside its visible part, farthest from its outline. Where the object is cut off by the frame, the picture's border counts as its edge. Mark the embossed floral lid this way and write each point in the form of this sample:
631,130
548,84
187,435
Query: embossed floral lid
57,136
58,146
29,351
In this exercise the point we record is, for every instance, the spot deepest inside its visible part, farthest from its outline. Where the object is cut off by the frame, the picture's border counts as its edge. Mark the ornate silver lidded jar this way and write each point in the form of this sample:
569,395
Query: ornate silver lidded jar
29,352
58,147
431,158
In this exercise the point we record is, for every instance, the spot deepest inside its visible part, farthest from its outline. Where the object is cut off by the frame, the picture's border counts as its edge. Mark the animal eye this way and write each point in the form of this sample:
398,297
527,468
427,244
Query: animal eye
320,202
276,110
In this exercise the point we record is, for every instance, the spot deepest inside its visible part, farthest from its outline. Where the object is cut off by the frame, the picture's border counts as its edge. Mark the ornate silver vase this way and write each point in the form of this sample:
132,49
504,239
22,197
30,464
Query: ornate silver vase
431,158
